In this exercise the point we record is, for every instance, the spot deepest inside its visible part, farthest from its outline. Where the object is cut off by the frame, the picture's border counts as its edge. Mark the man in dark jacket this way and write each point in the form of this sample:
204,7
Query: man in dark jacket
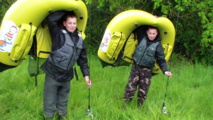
147,51
67,49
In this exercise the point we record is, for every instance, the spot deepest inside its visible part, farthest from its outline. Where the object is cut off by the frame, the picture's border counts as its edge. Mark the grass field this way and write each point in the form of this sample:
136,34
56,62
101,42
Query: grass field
189,94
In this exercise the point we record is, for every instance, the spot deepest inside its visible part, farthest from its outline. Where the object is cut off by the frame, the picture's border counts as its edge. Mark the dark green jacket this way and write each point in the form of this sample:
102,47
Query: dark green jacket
148,51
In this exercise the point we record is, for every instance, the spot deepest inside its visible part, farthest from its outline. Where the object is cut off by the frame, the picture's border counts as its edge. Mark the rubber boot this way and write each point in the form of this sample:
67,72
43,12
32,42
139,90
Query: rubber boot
140,103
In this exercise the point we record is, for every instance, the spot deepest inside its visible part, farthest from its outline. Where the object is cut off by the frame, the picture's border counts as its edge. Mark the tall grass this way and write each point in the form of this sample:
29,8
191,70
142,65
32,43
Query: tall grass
189,94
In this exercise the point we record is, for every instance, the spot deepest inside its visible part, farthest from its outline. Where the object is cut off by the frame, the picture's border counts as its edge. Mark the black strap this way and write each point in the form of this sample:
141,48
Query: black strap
75,72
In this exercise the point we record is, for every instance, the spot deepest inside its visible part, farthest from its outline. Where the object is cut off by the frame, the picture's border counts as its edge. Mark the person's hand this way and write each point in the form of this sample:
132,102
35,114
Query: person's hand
169,74
88,81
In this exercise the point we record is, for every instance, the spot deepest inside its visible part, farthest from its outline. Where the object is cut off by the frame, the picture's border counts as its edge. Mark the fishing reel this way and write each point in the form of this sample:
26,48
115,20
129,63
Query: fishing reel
89,114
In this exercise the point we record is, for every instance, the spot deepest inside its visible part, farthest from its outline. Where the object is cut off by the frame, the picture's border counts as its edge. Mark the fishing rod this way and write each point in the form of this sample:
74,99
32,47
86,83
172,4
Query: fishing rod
164,110
88,110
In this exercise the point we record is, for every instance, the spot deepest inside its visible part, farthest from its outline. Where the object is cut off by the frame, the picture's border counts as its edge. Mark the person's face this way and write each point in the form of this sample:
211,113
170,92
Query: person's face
70,24
152,33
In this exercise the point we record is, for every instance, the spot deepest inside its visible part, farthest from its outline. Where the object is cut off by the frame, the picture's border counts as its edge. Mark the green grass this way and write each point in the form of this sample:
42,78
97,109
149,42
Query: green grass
189,94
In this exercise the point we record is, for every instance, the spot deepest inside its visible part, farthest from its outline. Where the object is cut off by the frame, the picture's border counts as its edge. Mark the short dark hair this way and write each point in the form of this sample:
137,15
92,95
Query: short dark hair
152,27
69,14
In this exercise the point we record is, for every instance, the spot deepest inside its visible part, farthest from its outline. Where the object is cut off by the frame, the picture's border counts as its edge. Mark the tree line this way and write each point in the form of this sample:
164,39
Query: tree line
193,21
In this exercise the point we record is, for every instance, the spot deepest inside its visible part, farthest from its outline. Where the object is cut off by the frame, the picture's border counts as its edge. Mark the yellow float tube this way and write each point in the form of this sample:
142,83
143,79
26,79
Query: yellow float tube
118,36
21,22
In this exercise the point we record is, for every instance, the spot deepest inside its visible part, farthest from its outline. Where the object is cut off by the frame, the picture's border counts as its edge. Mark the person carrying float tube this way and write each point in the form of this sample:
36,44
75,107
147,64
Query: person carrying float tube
67,48
148,49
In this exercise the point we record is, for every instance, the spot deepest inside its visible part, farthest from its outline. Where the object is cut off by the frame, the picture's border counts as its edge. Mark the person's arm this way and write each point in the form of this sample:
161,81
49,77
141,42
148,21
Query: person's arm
161,60
53,21
140,32
83,63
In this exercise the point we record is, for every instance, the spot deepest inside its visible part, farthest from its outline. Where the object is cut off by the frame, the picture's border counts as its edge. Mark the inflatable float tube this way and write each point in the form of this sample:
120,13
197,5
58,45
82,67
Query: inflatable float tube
118,36
21,22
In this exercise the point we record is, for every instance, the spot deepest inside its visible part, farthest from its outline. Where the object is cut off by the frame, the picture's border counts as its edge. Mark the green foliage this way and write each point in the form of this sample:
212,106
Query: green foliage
194,34
5,4
206,15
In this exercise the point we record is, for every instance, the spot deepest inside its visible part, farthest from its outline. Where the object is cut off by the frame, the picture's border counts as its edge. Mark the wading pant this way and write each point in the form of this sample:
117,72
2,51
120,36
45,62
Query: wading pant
140,78
56,96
